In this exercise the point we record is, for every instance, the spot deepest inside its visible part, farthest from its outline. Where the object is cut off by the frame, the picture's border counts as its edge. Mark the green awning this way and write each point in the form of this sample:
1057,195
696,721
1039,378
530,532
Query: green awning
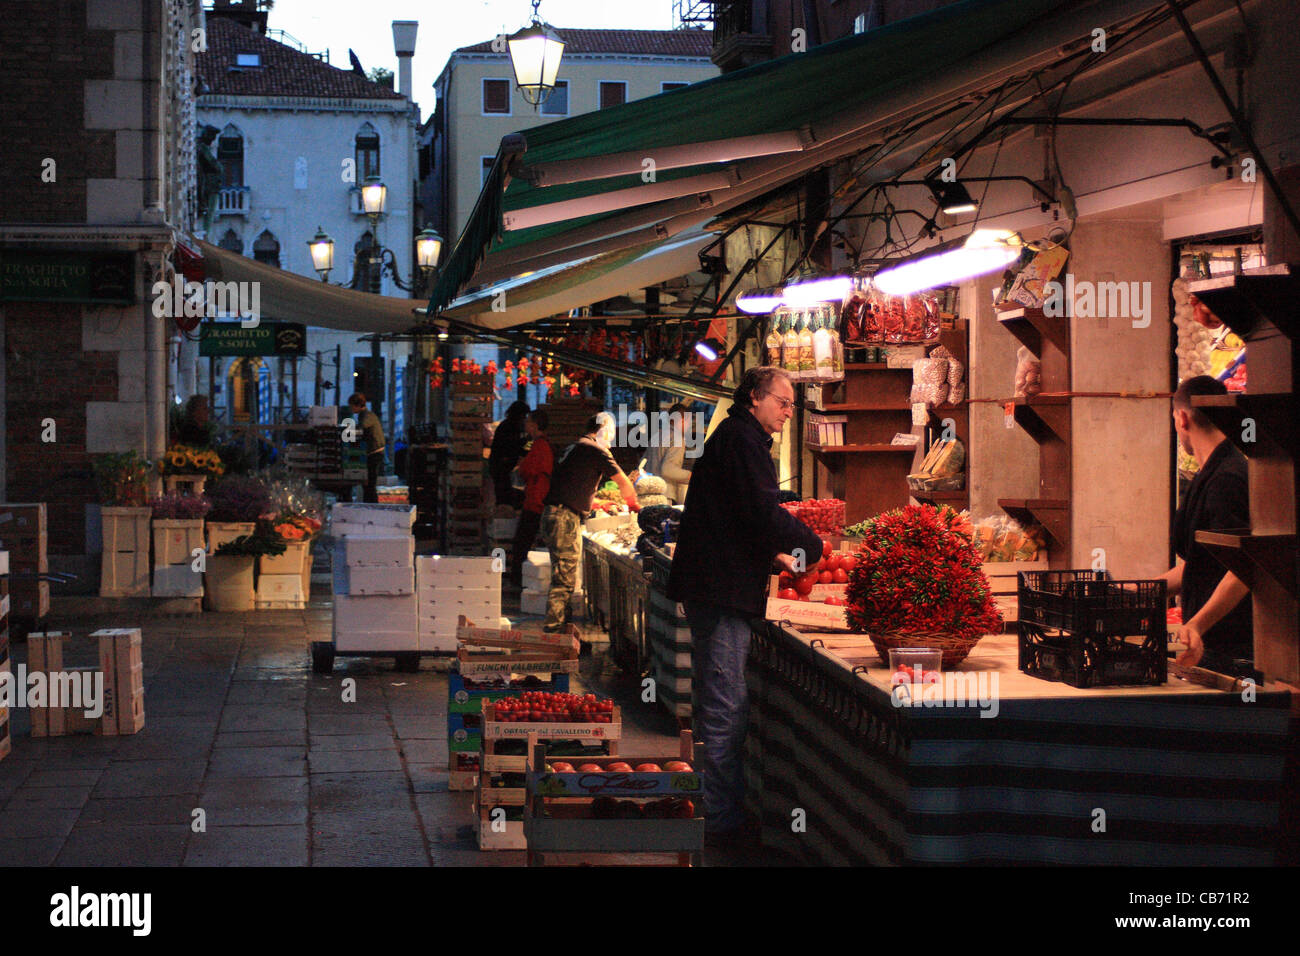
801,106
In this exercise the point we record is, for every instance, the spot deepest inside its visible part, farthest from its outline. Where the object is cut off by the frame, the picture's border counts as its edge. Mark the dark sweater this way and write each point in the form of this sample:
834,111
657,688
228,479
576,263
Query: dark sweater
733,526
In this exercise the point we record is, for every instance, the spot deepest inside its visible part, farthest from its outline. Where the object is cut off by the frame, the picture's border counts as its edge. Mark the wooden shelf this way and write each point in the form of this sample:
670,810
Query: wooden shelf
1253,301
1244,554
1274,416
865,367
862,449
1052,513
1031,327
1044,419
866,407
940,497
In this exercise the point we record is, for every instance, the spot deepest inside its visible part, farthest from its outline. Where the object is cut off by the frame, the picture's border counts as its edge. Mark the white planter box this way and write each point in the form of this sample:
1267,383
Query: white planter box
177,580
288,563
125,529
220,532
125,574
175,540
280,590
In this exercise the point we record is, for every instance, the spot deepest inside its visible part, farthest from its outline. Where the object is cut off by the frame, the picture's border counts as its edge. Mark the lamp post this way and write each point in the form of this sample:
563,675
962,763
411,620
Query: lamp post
428,250
535,54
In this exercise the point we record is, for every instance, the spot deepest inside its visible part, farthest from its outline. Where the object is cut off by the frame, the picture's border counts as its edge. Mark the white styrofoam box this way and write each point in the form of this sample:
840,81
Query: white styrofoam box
280,587
438,641
445,564
538,559
380,516
4,562
350,580
376,550
177,580
375,612
540,576
319,415
532,602
481,615
450,597
372,640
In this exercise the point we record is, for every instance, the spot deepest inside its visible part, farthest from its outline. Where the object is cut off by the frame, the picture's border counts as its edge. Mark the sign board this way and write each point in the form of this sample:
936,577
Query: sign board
266,338
104,278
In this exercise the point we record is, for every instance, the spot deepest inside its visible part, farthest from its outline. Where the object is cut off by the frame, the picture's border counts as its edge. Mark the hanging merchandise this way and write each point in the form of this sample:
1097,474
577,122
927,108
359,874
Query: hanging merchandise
790,347
837,350
807,358
772,345
853,315
895,314
823,359
873,323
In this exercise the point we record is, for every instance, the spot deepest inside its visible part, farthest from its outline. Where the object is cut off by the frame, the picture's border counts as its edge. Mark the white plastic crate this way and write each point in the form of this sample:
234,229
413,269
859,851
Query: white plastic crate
177,580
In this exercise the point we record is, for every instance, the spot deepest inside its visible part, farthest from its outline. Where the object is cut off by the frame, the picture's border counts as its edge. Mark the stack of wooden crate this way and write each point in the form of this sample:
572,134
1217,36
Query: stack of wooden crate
23,535
122,664
471,409
567,421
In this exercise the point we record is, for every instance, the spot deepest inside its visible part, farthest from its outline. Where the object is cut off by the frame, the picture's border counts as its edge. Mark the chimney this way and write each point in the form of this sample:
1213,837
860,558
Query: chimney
404,44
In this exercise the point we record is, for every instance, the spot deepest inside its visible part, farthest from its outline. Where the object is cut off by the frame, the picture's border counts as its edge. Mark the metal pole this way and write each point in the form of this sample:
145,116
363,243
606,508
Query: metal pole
318,378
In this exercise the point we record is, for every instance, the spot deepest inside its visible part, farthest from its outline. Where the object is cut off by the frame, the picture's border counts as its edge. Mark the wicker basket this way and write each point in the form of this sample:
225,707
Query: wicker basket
954,649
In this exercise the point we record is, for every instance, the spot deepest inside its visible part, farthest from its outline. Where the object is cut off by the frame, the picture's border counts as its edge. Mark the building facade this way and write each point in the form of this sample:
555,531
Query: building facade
295,138
98,126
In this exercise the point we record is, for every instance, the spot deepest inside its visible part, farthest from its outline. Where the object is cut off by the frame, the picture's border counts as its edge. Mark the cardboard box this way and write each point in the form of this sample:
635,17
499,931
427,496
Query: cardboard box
177,580
35,602
379,612
398,517
323,416
809,614
376,550
354,581
22,519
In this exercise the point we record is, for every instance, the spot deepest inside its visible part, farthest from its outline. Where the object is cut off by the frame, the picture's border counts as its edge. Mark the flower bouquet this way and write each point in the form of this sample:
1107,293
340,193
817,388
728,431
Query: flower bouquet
918,583
187,460
123,479
177,507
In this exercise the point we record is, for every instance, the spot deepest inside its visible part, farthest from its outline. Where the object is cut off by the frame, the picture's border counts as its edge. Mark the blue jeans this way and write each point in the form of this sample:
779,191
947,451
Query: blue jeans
721,710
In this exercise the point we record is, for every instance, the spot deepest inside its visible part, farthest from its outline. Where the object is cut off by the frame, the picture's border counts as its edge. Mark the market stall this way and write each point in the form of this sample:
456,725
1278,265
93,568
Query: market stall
1177,774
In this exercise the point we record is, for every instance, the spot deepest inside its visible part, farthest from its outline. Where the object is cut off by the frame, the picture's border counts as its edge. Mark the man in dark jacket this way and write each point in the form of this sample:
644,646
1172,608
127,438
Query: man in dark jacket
732,531
508,444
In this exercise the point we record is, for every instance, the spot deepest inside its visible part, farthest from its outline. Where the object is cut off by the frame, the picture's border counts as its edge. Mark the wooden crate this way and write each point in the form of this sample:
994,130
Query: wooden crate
558,806
125,529
120,661
1003,584
185,484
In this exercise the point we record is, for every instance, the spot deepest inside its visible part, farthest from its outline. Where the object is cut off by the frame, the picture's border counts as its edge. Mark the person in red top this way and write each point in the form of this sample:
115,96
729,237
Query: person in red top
535,468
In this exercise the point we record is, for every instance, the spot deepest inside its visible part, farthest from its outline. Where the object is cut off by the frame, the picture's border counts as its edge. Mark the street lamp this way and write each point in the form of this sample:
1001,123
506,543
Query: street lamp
535,54
428,250
322,254
374,195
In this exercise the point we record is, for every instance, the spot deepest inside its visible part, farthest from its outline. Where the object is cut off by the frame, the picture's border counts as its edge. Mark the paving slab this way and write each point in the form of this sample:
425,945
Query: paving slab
284,845
30,850
359,791
140,810
52,798
262,717
260,738
36,821
250,802
151,778
426,751
354,761
352,723
258,762
330,742
116,845
41,777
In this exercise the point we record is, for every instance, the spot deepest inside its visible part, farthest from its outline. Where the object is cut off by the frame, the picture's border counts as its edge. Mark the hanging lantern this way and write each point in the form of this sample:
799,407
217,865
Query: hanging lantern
535,54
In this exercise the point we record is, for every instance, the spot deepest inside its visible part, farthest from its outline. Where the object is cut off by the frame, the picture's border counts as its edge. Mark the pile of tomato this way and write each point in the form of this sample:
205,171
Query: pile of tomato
833,568
823,515
547,707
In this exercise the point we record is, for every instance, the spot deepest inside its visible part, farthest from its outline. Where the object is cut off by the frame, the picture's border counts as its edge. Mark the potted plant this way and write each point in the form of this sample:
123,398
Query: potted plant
298,507
186,468
237,502
229,578
123,481
177,533
919,583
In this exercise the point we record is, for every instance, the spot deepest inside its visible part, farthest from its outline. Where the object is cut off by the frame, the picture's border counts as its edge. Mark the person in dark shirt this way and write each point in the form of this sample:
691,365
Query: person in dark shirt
372,433
586,465
1217,615
508,445
731,532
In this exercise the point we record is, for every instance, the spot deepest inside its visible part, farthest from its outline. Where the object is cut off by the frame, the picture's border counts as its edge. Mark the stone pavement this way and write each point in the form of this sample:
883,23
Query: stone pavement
285,772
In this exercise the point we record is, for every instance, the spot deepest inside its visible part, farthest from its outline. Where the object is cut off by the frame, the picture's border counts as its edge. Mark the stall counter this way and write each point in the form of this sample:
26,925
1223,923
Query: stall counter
840,774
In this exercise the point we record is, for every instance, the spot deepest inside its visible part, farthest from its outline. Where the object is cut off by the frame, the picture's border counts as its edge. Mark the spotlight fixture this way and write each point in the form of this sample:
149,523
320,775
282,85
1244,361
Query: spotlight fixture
953,198
709,349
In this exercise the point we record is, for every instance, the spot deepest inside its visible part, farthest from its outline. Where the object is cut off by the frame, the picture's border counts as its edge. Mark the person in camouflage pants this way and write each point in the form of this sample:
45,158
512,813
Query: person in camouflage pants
562,532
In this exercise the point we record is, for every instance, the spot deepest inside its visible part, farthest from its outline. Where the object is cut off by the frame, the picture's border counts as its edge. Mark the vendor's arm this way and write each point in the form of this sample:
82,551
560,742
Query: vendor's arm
1173,579
626,487
757,504
1226,596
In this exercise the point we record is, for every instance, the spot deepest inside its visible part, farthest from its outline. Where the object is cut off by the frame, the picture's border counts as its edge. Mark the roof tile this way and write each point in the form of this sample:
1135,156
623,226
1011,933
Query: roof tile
645,42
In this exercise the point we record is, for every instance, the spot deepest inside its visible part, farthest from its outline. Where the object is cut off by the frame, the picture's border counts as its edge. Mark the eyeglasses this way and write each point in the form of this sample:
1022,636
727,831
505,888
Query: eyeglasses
783,402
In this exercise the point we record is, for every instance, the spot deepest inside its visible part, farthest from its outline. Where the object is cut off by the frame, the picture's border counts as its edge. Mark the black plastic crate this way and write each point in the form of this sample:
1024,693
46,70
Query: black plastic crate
1080,628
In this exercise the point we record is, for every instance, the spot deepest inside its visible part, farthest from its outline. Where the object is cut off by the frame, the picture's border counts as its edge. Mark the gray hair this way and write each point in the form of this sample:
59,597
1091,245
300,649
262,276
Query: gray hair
757,382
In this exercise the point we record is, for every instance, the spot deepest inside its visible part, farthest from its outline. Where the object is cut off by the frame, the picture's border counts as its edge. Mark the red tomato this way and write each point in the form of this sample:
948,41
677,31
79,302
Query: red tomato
591,768
840,576
834,601
830,564
804,583
788,594
824,577
826,549
648,768
619,767
848,563
561,766
685,809
677,766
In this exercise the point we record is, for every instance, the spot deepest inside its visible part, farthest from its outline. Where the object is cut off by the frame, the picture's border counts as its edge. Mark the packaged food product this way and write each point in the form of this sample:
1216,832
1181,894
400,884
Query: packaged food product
930,381
1029,374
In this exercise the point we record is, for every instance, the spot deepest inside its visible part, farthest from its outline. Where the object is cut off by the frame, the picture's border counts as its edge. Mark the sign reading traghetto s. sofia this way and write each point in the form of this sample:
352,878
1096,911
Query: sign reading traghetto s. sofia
265,338
105,278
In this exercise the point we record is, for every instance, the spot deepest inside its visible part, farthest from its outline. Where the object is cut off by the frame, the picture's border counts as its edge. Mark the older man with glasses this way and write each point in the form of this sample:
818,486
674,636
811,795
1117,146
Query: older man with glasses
732,532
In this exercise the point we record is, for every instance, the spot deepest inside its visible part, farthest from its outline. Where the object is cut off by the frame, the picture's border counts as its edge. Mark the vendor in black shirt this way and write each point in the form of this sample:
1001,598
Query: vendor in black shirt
1217,616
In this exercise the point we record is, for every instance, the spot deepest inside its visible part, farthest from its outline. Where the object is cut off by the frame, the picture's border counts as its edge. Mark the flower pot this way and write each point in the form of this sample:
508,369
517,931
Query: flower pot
174,540
229,582
288,563
219,532
184,484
